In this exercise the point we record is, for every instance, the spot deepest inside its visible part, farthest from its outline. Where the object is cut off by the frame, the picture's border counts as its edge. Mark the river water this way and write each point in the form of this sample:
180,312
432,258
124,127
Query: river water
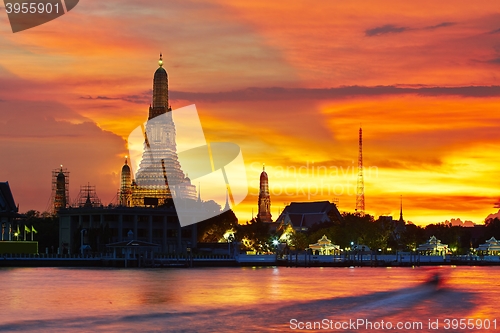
250,300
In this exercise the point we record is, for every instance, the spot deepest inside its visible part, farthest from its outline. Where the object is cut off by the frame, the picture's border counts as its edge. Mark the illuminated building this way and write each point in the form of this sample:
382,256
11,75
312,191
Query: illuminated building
159,159
324,246
145,208
433,247
491,247
264,198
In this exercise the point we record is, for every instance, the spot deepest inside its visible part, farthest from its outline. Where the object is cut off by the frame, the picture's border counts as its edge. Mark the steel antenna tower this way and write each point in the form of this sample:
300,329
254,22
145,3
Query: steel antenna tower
360,194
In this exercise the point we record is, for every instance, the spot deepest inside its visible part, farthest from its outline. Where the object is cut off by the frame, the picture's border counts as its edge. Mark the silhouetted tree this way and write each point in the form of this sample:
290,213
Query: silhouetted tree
412,237
255,235
299,241
47,227
492,228
213,229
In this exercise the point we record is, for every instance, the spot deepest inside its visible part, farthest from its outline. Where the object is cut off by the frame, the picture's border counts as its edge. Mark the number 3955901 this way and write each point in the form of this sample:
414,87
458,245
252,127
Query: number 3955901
32,8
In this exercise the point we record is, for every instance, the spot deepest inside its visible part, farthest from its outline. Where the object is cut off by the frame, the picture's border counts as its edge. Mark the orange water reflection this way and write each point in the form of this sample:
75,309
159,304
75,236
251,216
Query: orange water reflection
263,297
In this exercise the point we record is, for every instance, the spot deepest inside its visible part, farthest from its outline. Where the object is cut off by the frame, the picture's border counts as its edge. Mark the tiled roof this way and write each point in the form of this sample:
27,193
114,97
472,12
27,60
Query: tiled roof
308,207
307,214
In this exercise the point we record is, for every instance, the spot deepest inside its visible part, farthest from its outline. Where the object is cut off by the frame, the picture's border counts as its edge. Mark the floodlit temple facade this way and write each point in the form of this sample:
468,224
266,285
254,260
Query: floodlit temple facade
145,212
324,246
159,176
433,247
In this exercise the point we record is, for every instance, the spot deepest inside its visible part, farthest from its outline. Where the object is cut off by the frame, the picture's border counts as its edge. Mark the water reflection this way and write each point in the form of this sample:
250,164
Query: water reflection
230,299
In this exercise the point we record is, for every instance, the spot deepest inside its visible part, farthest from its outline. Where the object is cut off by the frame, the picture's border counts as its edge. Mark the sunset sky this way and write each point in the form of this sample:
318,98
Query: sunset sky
290,82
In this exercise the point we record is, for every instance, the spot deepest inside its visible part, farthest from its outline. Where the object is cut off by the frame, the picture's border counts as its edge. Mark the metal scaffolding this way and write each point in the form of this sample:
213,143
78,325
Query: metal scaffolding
60,189
87,197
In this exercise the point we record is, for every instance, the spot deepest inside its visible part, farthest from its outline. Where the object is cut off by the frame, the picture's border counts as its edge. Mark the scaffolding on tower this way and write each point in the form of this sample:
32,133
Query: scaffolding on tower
60,190
360,193
87,197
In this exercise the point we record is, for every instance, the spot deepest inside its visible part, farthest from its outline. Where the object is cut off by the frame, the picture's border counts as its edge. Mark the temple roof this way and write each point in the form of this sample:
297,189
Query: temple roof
306,214
432,244
491,244
308,207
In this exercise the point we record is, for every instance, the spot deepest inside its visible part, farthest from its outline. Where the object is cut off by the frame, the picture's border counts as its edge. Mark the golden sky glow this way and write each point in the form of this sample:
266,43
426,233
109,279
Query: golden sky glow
289,82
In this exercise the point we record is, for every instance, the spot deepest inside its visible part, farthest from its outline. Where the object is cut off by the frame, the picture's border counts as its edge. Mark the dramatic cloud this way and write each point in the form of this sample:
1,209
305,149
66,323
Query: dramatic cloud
142,99
385,29
35,142
440,25
426,93
495,61
493,216
278,93
392,29
458,223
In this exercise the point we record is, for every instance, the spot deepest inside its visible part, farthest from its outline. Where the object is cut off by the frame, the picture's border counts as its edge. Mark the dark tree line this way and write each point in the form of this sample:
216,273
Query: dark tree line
384,234
47,227
255,235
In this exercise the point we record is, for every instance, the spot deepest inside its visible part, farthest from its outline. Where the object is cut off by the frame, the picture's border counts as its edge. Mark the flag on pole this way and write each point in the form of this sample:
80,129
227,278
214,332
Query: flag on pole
32,232
26,228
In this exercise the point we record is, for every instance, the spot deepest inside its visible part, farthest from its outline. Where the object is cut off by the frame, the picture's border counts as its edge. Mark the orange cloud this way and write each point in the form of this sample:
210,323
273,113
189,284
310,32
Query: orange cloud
290,84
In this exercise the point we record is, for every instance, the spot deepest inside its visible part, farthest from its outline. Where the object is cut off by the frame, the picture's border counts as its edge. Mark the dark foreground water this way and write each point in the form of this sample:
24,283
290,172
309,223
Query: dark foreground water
250,300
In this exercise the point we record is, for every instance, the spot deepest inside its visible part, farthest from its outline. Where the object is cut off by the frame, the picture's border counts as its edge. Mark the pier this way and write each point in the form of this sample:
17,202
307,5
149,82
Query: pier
188,260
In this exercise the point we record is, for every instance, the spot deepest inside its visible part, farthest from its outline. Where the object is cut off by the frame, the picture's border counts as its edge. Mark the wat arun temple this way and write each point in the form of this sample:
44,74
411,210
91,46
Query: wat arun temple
159,176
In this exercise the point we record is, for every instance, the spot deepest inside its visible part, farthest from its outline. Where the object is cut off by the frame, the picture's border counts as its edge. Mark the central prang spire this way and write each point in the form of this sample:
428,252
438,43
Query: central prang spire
160,91
160,175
